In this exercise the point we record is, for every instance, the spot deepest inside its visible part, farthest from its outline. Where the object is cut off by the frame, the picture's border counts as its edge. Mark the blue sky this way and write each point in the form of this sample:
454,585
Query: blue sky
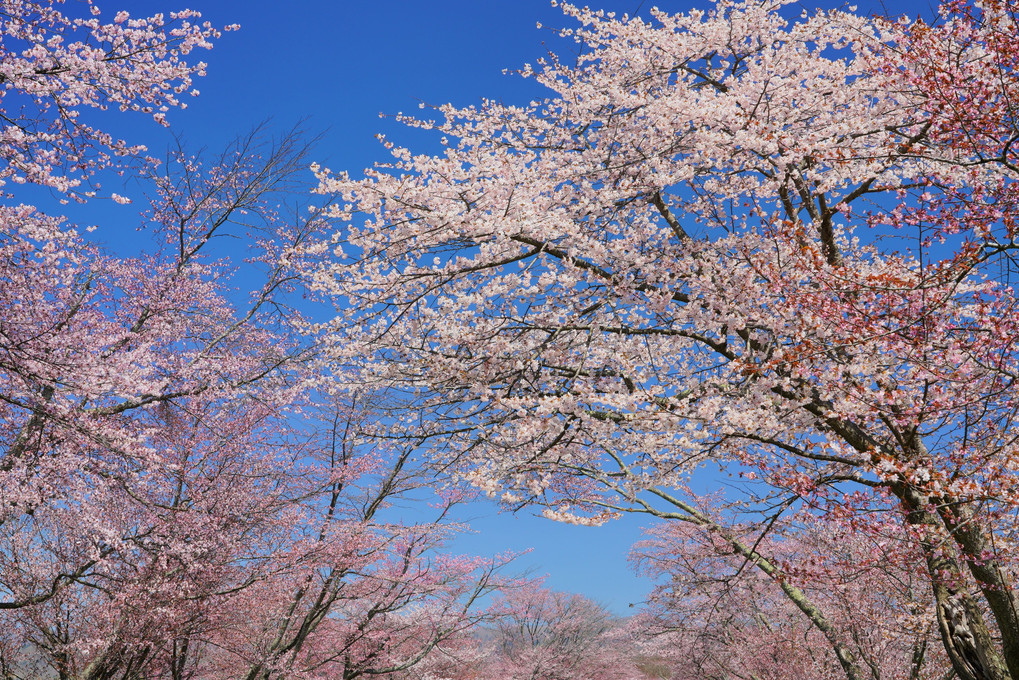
338,65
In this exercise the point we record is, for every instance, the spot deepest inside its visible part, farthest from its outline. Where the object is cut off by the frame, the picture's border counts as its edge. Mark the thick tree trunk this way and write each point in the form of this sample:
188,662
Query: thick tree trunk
994,584
964,632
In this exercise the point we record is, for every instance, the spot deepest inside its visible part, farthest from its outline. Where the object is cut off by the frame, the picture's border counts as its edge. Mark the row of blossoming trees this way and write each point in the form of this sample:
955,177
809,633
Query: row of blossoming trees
744,270
182,494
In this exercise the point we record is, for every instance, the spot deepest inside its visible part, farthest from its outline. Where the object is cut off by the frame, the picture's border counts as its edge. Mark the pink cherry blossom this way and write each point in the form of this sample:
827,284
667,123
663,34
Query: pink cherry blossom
743,241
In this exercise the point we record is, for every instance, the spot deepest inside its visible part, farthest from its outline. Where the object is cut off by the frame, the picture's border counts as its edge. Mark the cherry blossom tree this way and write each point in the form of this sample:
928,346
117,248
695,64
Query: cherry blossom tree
150,564
713,615
169,475
354,594
56,66
104,354
542,634
83,333
147,469
743,240
173,502
263,554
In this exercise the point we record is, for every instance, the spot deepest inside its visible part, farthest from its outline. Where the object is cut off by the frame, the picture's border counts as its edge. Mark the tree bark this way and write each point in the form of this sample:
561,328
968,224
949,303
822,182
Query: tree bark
964,632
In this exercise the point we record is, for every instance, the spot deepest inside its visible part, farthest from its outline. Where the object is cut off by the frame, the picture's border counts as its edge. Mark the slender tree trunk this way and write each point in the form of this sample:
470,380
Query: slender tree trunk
845,656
